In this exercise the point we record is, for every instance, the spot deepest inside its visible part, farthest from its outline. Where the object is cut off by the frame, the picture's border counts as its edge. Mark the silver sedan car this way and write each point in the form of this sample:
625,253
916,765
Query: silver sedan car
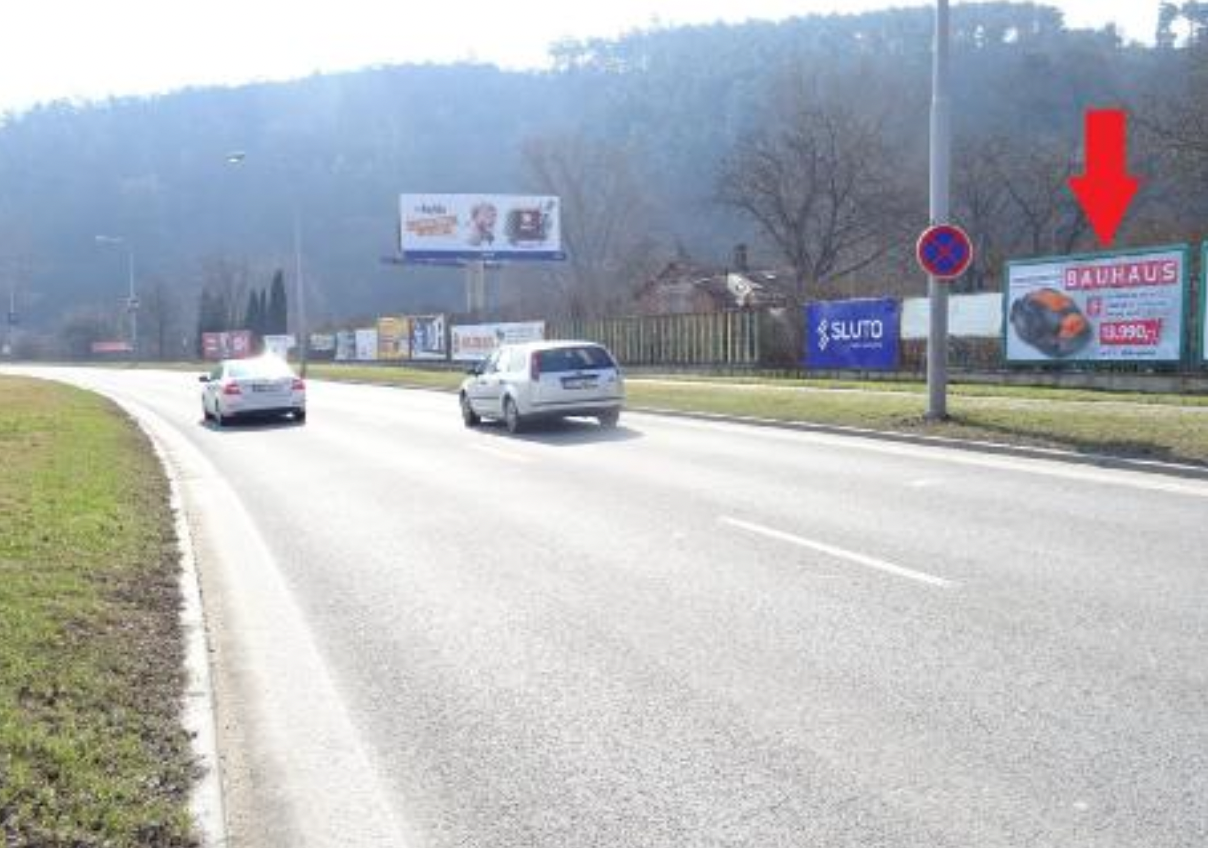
263,386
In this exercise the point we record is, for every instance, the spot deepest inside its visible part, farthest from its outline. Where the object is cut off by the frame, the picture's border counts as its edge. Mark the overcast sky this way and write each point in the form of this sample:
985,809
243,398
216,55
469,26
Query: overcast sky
51,49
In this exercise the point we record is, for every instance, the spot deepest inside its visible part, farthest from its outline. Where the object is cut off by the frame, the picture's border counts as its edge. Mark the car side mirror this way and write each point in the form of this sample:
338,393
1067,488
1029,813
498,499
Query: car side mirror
204,378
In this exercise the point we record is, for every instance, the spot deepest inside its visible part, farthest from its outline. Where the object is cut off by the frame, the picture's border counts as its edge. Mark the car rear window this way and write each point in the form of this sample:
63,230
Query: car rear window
259,369
574,359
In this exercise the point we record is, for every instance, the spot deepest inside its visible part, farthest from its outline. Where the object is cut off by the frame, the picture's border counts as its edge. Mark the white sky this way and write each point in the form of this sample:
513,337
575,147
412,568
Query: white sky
51,49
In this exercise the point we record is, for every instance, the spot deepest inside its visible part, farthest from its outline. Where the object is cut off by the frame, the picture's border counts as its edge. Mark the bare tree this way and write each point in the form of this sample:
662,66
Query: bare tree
160,315
821,186
607,221
227,284
1044,214
981,204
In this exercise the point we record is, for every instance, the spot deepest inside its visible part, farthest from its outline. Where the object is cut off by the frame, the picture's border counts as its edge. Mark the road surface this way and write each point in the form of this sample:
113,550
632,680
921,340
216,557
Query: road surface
685,634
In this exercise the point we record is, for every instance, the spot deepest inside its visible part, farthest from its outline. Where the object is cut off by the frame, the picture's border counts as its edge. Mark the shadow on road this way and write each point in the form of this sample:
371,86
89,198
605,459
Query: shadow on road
251,425
566,432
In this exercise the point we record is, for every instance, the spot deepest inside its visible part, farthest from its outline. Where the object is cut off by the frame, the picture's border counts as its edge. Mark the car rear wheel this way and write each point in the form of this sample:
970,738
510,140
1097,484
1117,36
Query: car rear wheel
608,420
511,416
300,416
219,418
468,416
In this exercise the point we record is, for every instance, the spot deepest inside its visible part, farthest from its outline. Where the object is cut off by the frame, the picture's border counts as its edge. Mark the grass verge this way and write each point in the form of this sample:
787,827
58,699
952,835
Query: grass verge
92,752
1142,431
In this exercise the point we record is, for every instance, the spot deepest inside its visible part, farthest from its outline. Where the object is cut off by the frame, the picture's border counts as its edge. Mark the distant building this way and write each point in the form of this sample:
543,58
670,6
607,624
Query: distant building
683,287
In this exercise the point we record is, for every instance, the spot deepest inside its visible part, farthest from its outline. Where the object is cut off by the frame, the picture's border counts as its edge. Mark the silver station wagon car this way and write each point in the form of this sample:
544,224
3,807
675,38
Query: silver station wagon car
520,383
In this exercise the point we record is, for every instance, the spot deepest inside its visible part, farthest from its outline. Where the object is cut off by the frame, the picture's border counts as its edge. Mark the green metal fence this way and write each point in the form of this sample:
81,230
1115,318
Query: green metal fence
721,338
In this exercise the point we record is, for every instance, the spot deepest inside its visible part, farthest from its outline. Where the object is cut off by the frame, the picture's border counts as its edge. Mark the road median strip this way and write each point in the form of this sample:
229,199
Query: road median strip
92,750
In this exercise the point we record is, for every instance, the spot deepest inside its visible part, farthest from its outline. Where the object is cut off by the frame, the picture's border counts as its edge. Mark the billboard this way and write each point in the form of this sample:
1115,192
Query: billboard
428,337
975,316
279,345
859,334
111,347
233,344
346,346
394,338
322,342
1124,306
1204,306
471,342
442,227
366,345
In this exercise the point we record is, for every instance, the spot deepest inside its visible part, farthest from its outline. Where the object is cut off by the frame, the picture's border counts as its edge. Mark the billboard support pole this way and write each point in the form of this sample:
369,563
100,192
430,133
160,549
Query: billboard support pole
941,154
475,286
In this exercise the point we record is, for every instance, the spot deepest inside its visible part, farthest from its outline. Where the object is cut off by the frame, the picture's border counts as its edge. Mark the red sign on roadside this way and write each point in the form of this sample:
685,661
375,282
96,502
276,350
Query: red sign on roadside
944,251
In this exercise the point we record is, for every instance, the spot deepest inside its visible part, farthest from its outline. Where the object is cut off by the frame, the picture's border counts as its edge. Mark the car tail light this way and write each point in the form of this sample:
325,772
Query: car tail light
534,366
299,385
232,389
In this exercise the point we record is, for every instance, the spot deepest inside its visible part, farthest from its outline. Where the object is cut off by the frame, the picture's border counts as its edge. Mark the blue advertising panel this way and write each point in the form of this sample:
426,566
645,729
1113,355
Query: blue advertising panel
859,334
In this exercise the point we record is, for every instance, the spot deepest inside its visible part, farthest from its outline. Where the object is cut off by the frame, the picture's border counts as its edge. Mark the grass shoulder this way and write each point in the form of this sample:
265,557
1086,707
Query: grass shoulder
91,746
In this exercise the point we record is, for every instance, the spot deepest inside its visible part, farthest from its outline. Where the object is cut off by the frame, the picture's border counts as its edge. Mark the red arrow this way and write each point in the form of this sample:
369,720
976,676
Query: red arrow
1106,189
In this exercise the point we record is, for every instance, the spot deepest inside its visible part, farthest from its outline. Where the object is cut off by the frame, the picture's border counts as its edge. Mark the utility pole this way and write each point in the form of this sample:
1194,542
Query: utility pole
941,156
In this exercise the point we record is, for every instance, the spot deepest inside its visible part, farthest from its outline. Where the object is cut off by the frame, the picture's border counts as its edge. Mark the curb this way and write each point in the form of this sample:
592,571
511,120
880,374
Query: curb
1115,463
1098,460
198,716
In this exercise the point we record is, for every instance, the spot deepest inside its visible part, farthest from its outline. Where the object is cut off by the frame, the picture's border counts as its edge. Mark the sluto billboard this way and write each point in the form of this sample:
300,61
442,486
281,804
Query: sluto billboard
1127,306
436,227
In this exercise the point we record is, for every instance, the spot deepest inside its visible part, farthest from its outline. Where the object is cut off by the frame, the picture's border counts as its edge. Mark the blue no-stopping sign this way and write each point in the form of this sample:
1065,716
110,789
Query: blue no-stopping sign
945,251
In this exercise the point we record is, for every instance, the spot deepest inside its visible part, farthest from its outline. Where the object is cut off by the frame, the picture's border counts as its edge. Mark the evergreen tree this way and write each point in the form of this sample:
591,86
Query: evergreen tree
251,316
278,306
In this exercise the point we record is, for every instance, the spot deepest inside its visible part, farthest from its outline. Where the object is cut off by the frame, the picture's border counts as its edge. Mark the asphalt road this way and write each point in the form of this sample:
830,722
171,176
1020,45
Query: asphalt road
686,634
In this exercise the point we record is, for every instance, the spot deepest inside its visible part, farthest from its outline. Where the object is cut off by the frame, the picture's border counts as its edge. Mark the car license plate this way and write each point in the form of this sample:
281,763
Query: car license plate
579,383
263,387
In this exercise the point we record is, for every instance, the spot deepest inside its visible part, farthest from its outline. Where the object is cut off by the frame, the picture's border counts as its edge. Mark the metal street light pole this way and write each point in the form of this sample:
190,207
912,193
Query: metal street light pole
238,157
300,293
941,155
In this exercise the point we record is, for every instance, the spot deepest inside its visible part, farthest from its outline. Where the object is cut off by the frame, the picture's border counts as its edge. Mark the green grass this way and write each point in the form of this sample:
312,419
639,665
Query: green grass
390,375
92,752
1132,430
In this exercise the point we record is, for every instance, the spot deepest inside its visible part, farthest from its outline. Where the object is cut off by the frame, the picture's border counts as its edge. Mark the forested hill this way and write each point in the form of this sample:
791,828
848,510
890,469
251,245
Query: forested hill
643,123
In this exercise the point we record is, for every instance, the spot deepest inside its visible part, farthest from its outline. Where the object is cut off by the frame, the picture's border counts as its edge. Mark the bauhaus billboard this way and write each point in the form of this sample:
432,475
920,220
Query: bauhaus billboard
1126,306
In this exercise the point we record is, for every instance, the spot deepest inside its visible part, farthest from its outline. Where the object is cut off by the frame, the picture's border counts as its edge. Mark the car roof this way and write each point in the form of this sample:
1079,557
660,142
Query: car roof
253,361
553,345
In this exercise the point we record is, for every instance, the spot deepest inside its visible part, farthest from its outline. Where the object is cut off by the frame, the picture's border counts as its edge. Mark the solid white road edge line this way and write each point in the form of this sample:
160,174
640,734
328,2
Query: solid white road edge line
839,553
953,456
205,802
335,794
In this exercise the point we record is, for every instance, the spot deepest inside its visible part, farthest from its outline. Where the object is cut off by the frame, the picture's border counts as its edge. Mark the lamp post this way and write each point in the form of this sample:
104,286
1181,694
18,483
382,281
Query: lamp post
131,297
941,155
239,157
